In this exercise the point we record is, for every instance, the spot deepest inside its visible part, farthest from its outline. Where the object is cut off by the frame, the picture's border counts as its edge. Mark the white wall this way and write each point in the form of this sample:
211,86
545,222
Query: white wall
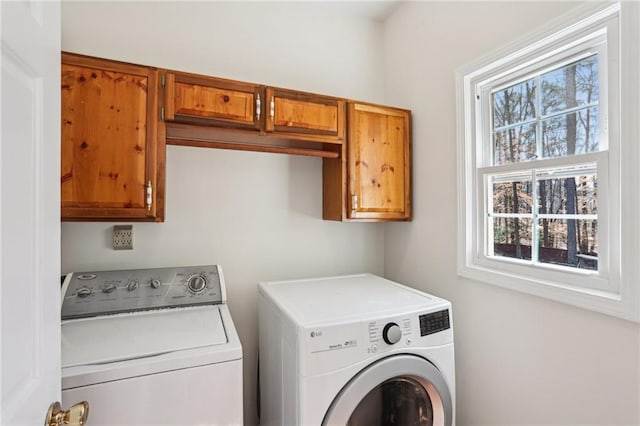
256,214
520,360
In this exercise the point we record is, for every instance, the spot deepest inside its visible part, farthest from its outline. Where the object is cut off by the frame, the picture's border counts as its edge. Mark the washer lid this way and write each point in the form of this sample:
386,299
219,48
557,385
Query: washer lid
106,339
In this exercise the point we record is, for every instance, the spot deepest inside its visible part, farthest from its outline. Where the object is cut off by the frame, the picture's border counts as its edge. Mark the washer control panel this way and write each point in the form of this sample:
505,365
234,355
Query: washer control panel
88,294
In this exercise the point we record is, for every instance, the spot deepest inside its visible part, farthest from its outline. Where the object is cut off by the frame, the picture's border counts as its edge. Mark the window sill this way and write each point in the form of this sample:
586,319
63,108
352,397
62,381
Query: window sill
617,304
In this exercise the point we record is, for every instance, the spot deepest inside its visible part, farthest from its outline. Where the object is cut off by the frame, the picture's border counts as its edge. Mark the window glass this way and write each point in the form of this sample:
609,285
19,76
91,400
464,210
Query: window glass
514,104
569,242
512,237
512,197
515,144
574,85
570,134
564,211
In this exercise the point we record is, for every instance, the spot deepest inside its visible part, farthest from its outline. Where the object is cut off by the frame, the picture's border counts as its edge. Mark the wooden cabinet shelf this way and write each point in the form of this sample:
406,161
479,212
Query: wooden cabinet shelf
112,162
211,137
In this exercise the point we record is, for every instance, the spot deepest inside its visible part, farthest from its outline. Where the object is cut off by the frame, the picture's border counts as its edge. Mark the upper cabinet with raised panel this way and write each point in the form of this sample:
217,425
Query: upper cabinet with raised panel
112,163
197,99
305,115
372,180
239,115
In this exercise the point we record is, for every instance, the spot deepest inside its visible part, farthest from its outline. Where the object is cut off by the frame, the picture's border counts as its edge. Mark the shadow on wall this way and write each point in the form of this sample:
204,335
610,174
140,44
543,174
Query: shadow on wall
302,199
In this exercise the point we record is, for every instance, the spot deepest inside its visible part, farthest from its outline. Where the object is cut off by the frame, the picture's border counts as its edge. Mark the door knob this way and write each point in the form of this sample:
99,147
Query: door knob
75,416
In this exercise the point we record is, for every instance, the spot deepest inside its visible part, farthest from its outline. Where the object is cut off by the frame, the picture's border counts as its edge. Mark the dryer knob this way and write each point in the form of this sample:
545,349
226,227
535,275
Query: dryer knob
391,333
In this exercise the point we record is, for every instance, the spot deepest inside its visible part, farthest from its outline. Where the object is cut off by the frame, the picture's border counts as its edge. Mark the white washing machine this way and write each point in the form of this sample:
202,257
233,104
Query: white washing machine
354,350
151,347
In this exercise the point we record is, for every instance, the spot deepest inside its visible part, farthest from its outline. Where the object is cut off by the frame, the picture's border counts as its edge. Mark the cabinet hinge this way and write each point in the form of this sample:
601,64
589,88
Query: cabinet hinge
162,113
163,80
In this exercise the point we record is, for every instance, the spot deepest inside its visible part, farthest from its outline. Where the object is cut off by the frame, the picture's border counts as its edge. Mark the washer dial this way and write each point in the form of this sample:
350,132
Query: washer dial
197,283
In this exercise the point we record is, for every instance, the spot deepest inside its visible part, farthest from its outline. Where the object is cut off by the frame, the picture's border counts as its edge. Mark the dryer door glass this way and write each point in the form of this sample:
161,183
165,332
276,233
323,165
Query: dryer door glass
398,401
399,390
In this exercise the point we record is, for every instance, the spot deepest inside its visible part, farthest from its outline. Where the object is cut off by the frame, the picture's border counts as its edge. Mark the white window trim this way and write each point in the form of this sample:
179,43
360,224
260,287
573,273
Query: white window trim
622,295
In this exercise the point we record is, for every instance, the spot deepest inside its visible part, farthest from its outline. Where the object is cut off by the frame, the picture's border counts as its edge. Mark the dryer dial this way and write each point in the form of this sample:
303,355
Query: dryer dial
391,333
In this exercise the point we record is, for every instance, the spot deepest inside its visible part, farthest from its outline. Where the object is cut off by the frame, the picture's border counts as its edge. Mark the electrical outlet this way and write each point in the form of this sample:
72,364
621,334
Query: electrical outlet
123,237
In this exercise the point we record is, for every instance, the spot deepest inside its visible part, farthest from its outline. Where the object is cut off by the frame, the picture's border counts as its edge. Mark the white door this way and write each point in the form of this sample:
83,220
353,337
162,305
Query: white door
29,211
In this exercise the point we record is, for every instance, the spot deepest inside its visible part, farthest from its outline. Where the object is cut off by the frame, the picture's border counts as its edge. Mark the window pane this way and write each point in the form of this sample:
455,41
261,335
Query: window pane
515,144
569,242
571,195
570,134
573,85
514,104
512,197
512,237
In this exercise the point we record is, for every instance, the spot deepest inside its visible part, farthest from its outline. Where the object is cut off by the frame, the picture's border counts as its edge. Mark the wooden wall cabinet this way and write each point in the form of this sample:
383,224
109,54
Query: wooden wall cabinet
305,115
117,118
112,163
196,99
238,115
372,179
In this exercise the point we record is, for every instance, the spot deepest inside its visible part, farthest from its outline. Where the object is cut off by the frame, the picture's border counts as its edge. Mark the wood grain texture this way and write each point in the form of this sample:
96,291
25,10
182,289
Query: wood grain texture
205,102
301,113
212,137
109,139
379,163
197,99
334,186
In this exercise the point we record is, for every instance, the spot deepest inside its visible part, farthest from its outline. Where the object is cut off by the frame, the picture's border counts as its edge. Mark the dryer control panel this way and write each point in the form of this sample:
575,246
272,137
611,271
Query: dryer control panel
336,346
88,294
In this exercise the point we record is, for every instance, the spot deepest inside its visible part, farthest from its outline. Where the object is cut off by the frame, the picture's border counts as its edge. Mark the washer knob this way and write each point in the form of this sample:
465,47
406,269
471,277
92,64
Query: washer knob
196,283
83,292
109,288
155,283
391,333
132,285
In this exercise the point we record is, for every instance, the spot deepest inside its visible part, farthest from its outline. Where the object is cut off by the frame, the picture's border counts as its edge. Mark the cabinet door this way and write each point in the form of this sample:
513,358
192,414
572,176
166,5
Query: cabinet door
305,116
195,99
379,163
110,148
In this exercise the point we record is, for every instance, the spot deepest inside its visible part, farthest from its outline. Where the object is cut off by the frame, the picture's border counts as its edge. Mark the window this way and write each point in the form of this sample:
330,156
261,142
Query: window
540,165
545,215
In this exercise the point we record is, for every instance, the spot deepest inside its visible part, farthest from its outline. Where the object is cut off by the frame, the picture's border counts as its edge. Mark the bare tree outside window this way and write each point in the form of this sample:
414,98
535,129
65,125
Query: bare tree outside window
554,114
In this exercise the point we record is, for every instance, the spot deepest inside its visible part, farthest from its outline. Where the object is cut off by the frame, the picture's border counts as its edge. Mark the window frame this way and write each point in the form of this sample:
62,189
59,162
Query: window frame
614,288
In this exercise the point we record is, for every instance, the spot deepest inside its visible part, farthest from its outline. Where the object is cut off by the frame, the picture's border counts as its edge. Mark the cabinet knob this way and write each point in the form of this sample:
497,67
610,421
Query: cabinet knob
354,202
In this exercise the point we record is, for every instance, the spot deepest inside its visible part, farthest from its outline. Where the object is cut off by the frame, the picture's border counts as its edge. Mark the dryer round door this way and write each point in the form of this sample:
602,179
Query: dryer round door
397,390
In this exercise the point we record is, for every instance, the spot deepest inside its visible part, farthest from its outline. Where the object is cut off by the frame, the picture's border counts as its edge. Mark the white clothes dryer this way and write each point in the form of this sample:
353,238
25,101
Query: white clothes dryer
151,347
354,350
